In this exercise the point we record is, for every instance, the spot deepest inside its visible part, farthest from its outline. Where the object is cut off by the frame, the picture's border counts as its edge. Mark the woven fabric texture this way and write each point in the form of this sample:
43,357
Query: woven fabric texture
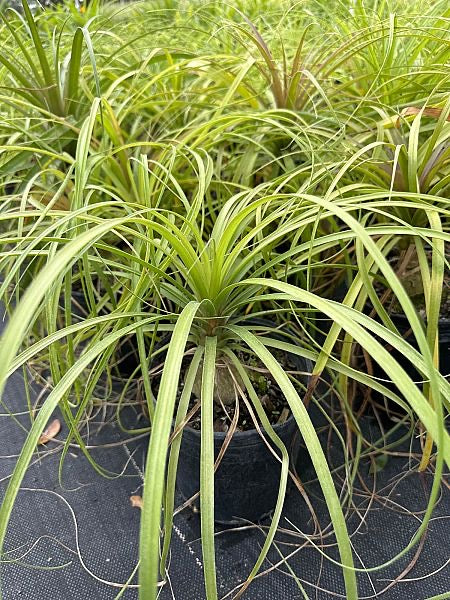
77,538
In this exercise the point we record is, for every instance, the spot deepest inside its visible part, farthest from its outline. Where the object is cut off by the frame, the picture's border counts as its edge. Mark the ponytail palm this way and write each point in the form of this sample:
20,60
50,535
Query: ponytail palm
202,288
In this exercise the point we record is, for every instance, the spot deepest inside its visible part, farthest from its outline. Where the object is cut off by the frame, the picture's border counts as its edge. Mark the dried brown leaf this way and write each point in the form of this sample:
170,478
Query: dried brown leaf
136,501
427,112
50,432
284,415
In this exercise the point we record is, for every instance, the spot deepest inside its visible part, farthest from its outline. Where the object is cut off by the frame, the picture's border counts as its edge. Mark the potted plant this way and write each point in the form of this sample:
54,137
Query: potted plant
204,293
412,166
417,162
402,191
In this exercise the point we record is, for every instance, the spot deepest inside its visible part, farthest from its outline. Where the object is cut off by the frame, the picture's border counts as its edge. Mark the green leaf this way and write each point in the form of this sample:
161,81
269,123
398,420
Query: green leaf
378,464
156,456
207,468
54,99
44,415
73,75
350,320
284,471
175,452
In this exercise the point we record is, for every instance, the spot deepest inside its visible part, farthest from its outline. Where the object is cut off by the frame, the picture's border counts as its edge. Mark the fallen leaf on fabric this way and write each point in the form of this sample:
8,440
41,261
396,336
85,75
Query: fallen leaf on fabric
136,501
52,430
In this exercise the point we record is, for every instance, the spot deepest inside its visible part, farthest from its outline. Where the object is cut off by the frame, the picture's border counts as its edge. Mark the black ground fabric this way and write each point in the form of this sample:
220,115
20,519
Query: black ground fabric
77,538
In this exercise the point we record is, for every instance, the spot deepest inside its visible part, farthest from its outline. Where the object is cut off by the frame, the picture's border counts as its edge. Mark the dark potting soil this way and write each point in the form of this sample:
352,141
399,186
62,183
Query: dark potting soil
273,401
269,393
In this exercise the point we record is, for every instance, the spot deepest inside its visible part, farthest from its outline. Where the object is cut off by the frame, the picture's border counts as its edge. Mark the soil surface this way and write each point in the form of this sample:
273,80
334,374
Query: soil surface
269,393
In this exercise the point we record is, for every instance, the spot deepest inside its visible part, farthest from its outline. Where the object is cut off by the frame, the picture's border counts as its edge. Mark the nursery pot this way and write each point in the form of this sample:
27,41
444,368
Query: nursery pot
403,326
247,478
246,481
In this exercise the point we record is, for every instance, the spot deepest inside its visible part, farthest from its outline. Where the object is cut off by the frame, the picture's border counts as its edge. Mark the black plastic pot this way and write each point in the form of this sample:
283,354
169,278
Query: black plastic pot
246,481
403,326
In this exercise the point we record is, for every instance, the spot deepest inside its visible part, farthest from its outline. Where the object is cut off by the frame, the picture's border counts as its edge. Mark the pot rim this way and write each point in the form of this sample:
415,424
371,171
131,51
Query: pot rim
220,435
242,435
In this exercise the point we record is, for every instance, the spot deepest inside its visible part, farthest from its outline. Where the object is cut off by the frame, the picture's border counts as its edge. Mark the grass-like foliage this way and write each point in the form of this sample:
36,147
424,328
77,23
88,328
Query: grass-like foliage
172,172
